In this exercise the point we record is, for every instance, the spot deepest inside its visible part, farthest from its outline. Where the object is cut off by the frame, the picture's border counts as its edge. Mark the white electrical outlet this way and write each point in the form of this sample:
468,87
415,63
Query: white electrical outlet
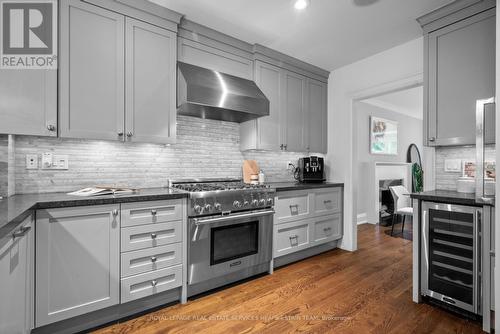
55,161
453,165
31,161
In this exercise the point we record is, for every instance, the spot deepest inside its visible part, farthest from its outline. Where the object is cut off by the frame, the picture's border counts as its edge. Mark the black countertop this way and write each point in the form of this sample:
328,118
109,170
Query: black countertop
288,186
447,196
13,210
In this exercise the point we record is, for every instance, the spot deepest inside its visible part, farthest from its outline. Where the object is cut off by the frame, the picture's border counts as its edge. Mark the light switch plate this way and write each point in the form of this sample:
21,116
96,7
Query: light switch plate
31,161
55,161
453,165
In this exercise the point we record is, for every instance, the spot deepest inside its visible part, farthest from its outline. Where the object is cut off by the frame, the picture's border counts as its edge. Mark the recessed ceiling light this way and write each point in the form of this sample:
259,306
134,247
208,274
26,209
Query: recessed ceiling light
301,4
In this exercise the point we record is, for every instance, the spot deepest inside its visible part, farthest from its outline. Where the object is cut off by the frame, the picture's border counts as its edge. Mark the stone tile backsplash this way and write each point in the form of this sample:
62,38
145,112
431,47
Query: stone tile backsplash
447,180
204,148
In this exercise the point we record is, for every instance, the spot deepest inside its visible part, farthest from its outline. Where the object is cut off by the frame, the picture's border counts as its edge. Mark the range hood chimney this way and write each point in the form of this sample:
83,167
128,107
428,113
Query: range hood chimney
214,95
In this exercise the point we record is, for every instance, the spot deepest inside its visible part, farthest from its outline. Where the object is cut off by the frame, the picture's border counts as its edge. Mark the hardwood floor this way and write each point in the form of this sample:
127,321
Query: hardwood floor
368,291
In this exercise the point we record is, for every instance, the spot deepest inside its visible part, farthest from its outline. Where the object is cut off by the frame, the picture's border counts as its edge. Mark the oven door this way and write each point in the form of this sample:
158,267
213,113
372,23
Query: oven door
225,244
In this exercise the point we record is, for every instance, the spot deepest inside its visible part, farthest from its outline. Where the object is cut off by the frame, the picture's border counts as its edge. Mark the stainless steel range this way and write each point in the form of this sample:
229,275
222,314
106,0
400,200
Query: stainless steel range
230,228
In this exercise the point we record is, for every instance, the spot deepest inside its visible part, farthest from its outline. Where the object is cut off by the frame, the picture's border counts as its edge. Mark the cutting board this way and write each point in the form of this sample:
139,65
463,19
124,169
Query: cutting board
249,167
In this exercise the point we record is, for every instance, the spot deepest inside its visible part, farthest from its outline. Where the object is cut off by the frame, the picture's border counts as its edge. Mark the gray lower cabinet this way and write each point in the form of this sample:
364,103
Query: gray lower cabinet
150,82
117,76
77,261
459,69
306,218
16,273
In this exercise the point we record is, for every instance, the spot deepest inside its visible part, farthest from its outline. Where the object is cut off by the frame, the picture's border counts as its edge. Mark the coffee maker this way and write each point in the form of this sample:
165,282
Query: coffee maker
311,169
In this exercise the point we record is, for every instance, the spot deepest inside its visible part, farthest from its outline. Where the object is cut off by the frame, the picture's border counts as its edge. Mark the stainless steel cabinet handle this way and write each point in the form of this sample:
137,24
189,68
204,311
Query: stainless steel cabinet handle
154,282
153,259
129,134
285,147
294,237
21,232
153,235
115,212
51,127
328,201
153,212
432,139
327,229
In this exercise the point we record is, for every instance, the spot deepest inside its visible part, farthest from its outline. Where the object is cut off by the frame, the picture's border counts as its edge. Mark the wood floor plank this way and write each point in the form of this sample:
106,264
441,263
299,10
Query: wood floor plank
367,291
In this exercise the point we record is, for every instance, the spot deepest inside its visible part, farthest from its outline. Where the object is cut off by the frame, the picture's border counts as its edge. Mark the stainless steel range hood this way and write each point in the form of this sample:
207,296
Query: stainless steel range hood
210,94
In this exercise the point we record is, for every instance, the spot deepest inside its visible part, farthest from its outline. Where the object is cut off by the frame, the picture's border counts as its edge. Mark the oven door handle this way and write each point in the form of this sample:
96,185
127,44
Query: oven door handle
207,221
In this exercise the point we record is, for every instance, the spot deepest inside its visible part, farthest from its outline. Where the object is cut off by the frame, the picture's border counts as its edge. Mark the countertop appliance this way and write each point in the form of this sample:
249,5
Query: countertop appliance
451,255
311,169
230,228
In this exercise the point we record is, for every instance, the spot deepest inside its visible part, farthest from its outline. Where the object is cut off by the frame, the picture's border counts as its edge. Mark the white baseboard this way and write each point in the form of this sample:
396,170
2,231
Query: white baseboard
362,218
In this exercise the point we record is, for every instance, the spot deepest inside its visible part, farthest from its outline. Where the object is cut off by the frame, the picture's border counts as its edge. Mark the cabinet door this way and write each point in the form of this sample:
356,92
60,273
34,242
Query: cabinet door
16,278
317,116
269,128
28,102
461,69
150,83
91,82
78,261
293,108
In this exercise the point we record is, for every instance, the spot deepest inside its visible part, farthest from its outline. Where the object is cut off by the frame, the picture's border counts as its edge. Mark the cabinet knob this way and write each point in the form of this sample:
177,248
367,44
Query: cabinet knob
51,127
281,147
154,282
153,235
129,134
21,232
432,139
120,134
153,259
153,212
115,212
285,146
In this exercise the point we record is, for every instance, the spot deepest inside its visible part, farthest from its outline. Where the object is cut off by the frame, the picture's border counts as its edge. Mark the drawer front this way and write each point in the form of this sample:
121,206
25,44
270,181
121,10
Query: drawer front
133,214
327,228
327,202
153,235
150,259
148,284
291,206
290,237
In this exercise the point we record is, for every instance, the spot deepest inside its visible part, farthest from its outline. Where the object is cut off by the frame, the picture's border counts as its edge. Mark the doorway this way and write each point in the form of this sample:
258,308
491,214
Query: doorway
384,127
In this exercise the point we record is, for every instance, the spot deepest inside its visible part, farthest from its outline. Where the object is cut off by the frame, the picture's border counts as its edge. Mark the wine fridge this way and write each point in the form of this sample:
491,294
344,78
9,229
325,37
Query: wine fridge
450,271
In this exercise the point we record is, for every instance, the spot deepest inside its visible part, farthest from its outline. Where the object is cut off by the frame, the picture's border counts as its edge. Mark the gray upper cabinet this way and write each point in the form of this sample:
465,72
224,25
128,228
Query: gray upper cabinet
294,110
28,102
77,261
317,116
150,83
266,133
16,277
117,75
91,74
205,47
459,69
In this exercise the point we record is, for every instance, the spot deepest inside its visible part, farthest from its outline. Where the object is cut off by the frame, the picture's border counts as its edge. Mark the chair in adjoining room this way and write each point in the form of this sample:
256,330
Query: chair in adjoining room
402,205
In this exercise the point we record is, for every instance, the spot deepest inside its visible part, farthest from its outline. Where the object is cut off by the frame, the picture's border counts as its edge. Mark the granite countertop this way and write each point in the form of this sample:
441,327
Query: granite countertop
287,186
15,209
448,196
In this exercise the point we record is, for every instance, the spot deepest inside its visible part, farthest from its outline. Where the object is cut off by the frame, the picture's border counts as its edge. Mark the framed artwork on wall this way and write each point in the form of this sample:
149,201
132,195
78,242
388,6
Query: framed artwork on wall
383,136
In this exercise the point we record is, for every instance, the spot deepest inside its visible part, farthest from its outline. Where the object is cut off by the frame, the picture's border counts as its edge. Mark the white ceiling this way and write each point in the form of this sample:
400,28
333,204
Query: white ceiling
329,33
409,102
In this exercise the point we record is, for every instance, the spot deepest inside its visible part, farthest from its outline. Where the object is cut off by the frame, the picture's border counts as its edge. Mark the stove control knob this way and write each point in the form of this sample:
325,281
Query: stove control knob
198,209
218,206
269,201
262,202
237,204
208,207
246,203
255,202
